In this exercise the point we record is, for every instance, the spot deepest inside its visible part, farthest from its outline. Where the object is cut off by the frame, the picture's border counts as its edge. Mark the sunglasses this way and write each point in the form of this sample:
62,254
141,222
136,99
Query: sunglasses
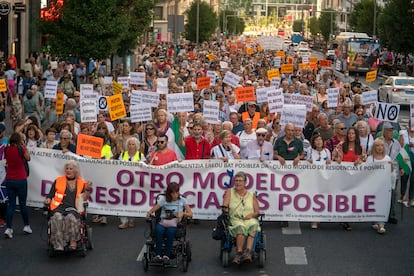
160,142
150,128
342,128
261,134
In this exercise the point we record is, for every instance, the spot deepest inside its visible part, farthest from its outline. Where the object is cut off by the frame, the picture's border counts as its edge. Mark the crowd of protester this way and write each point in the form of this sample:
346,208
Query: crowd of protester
244,130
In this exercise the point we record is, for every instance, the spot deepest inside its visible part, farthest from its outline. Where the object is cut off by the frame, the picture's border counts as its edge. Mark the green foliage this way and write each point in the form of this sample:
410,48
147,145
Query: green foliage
96,28
362,17
326,22
395,26
207,22
298,25
314,26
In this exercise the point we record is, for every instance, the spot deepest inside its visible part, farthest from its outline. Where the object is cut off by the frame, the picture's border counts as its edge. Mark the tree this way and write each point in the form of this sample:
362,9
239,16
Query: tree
298,26
314,26
96,28
207,22
327,23
362,17
395,25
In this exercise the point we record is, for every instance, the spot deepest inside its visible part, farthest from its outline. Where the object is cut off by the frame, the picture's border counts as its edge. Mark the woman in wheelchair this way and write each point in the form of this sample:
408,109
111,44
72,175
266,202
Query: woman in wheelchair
171,206
65,202
243,211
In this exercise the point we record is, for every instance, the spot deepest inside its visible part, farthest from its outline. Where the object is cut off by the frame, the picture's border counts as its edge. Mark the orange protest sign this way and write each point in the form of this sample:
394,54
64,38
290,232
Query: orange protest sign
191,55
249,51
117,87
325,63
244,94
303,66
211,56
313,66
273,74
203,82
290,60
371,76
259,48
116,107
287,68
233,47
89,145
3,86
313,60
280,54
60,98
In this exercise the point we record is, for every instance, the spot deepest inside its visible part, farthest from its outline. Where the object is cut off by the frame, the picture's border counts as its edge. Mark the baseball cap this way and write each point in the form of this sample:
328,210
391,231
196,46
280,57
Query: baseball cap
387,125
261,130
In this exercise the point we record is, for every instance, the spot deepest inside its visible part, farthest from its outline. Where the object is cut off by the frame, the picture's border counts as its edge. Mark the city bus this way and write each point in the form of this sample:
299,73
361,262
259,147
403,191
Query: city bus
356,52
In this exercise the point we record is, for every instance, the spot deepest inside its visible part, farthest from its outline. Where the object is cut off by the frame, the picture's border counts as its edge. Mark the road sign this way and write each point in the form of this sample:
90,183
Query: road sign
5,8
19,7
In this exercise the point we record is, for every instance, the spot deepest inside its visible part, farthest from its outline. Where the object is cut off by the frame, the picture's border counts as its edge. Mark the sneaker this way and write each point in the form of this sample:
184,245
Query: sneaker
314,225
158,259
405,203
8,233
165,259
246,257
381,229
27,229
411,203
237,258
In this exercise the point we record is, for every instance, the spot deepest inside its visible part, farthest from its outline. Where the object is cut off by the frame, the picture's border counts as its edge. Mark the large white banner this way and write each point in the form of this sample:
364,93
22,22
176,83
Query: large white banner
307,192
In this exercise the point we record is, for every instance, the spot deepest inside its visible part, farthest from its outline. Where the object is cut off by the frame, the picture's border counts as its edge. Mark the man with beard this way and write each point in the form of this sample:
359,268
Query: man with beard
197,147
163,155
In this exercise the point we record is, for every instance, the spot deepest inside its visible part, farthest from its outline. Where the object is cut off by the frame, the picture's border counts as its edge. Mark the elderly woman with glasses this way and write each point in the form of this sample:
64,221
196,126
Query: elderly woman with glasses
149,141
65,145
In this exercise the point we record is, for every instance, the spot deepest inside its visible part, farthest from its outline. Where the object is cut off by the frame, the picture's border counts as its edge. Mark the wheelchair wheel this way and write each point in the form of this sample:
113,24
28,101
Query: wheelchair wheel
145,263
82,250
89,240
185,263
188,250
225,258
262,252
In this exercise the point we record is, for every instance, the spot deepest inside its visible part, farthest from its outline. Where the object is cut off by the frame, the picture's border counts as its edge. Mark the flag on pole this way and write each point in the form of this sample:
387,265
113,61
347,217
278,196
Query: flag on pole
403,159
175,127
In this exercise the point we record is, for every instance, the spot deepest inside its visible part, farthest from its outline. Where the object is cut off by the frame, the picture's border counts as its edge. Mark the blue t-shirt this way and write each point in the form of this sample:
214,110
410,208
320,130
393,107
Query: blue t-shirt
175,206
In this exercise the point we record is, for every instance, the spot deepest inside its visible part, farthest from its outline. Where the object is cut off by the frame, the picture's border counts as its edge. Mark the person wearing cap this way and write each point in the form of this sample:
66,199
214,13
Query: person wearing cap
260,149
251,113
392,148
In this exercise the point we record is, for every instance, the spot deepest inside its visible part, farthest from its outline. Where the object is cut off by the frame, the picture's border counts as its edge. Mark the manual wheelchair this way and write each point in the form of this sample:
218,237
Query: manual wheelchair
227,241
83,244
181,247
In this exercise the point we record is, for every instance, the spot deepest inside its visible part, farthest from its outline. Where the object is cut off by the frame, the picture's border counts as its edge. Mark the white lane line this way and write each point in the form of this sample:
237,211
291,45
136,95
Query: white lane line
141,254
292,229
295,256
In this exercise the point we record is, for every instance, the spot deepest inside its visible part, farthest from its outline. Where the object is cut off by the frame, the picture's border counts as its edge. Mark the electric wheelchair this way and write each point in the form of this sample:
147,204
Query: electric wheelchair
83,244
181,248
227,241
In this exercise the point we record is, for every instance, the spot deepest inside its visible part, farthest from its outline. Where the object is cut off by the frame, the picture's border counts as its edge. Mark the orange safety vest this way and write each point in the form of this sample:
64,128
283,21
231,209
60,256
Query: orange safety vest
60,188
255,119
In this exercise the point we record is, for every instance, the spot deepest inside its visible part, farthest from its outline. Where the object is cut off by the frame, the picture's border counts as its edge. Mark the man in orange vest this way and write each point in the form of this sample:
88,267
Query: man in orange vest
251,113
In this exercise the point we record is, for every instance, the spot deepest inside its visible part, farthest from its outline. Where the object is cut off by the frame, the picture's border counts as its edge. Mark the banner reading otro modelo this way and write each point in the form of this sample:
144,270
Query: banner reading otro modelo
307,192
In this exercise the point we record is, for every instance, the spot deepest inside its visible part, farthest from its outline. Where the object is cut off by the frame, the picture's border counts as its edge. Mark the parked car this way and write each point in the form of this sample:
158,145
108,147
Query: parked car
330,55
397,89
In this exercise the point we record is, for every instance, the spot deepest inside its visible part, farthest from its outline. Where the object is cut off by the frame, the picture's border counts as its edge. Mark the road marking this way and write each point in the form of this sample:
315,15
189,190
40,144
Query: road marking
141,253
295,256
292,229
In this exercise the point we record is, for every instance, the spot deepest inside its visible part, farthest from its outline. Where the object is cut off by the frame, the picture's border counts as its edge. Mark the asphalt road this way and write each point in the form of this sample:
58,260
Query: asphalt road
294,250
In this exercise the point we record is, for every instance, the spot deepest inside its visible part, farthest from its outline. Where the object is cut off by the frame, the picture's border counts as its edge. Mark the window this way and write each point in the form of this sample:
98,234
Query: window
158,13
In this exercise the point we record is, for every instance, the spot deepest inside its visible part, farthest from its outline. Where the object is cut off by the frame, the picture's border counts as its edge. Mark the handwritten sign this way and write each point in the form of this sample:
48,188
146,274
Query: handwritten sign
88,110
370,97
51,89
162,85
273,74
231,79
297,99
145,98
137,78
180,102
287,68
117,87
211,111
261,94
244,94
116,107
140,113
295,114
89,145
124,81
275,82
276,62
371,76
212,75
333,94
203,82
60,103
86,89
275,99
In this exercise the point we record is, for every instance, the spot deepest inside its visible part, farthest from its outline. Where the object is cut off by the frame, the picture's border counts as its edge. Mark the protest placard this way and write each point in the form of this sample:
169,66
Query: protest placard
369,97
244,94
231,79
116,107
89,145
140,113
295,114
137,78
211,111
275,99
333,96
180,102
50,89
203,82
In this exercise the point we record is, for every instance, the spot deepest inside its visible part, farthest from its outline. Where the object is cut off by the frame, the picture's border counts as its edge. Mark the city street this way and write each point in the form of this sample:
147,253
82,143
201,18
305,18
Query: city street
294,250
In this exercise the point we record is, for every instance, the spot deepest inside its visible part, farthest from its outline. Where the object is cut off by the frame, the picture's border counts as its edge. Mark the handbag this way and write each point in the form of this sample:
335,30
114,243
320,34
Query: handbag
218,231
169,222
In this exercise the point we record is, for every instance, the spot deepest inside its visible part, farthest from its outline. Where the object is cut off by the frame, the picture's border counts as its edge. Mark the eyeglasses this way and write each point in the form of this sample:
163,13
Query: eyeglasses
77,96
150,128
261,134
190,127
342,128
64,138
161,142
